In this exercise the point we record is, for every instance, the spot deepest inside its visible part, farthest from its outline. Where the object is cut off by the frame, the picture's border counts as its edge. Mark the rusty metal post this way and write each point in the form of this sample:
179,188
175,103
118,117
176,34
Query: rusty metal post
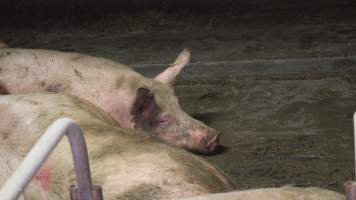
85,190
97,193
81,162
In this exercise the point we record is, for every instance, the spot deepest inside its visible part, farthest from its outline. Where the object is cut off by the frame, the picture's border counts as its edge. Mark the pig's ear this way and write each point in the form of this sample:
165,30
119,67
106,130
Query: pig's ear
145,110
169,75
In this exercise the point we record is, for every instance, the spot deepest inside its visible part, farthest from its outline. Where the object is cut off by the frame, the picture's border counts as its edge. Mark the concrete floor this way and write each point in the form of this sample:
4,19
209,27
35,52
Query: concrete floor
280,85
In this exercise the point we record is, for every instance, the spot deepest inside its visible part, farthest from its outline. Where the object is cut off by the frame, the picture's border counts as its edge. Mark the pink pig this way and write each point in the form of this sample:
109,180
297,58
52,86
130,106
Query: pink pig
132,100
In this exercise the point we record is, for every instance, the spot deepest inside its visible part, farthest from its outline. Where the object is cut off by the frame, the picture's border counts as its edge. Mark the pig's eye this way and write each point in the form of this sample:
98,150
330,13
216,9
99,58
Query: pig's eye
165,121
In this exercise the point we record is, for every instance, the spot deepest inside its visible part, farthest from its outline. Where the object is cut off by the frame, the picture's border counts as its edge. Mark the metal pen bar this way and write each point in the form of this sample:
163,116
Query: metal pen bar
350,186
354,118
29,167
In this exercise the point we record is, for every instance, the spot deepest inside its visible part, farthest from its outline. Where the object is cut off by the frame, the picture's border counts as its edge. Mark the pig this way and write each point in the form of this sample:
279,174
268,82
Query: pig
135,102
127,163
281,193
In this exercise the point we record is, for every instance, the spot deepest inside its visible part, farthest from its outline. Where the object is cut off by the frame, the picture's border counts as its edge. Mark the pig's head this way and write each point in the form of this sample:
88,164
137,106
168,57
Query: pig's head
154,107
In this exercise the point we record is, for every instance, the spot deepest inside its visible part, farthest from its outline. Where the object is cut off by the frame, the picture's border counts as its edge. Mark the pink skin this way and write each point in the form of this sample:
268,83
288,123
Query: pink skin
117,104
207,139
44,177
198,139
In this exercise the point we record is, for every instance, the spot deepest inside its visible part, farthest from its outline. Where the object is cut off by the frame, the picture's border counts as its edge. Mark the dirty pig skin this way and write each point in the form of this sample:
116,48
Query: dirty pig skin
126,163
134,101
281,193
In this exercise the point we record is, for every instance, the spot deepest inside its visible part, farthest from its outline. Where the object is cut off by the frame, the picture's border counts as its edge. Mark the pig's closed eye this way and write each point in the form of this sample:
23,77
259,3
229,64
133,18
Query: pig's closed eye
165,120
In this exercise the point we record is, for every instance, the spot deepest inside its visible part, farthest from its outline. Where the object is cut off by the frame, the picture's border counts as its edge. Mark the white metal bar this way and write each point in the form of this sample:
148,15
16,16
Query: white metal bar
15,185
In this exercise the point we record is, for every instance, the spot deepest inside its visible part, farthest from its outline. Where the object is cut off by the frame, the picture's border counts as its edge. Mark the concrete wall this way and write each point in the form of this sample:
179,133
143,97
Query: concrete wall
119,5
30,13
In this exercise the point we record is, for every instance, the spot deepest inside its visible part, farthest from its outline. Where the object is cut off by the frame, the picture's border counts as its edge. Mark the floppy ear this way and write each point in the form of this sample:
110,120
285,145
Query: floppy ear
169,75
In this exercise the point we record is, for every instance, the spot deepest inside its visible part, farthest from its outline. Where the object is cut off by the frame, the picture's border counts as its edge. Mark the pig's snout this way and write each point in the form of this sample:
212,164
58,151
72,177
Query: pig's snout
213,143
204,141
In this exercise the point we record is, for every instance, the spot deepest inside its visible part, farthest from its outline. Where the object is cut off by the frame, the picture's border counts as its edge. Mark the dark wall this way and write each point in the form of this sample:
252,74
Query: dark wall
31,12
58,6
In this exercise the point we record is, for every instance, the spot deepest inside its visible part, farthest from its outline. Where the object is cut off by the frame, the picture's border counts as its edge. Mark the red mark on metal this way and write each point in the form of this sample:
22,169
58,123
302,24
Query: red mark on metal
44,177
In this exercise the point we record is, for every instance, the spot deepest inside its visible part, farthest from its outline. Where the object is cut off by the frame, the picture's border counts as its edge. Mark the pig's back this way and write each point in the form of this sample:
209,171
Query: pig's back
282,193
126,163
35,70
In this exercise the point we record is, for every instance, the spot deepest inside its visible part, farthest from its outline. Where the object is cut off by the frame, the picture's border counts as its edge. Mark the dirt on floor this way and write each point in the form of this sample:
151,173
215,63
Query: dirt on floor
280,85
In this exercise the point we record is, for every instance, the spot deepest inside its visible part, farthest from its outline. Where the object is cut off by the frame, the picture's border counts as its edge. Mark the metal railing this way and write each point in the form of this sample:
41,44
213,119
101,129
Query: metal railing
29,167
350,186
